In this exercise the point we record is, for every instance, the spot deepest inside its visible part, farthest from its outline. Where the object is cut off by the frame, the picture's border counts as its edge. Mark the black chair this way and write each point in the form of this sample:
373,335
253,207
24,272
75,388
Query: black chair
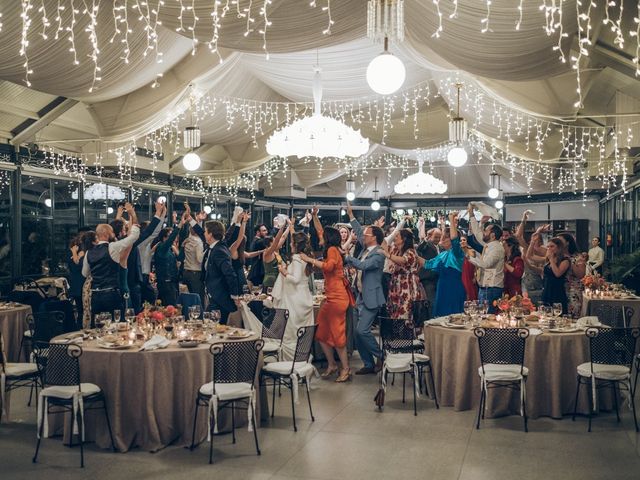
616,316
235,368
274,324
60,370
292,373
403,354
502,364
42,327
612,352
32,298
16,375
64,306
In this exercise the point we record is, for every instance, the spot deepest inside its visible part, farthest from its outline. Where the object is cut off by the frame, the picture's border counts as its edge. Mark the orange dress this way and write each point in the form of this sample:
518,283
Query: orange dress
332,317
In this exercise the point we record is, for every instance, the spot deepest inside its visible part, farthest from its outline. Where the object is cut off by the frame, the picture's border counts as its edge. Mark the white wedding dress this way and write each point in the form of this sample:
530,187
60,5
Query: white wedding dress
292,293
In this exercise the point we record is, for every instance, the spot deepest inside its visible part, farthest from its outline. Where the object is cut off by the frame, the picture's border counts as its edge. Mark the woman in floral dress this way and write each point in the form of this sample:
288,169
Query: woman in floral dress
404,284
574,286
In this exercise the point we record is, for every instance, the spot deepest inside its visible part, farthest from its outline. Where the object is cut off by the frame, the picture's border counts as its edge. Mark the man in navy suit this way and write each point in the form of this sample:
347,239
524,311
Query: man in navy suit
218,274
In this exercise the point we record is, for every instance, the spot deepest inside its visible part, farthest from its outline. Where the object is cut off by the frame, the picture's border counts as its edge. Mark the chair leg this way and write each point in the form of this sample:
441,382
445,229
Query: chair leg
44,414
193,433
524,413
106,416
413,383
293,410
273,400
309,400
31,394
403,382
480,407
616,392
255,427
590,404
575,404
233,422
633,409
211,424
80,435
433,386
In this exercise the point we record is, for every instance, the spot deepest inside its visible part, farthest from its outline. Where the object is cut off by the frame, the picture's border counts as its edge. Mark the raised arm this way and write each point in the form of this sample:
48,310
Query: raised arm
399,226
244,218
317,225
355,225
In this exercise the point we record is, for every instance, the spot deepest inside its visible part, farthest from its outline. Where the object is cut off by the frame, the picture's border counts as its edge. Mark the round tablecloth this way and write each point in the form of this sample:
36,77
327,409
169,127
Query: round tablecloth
552,359
150,396
13,323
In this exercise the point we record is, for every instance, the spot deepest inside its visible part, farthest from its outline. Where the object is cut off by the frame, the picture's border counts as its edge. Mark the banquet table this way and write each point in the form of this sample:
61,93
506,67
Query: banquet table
632,305
552,359
150,396
13,323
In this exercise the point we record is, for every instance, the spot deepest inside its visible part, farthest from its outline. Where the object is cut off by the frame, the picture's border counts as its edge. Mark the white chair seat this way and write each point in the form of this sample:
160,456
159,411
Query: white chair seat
20,369
227,391
270,346
498,372
67,392
401,362
27,333
604,371
303,369
421,337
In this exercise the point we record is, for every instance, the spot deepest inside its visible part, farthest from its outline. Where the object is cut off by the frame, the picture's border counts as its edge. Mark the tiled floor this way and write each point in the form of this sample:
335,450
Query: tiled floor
351,440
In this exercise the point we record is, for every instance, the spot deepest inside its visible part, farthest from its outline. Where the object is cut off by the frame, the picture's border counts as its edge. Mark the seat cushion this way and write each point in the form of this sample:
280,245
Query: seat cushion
27,333
270,346
421,337
227,391
401,362
303,369
20,369
59,391
604,371
496,372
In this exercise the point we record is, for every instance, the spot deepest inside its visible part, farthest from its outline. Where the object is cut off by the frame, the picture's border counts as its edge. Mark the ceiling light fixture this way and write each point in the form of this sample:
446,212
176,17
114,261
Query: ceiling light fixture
317,136
375,204
385,21
191,138
457,156
351,189
494,190
420,183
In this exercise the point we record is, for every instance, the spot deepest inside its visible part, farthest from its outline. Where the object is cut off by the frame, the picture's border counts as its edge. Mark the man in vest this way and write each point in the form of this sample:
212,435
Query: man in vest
102,262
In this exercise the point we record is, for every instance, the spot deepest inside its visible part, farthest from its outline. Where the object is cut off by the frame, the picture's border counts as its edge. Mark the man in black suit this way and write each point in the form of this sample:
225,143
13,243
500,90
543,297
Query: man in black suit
218,274
428,249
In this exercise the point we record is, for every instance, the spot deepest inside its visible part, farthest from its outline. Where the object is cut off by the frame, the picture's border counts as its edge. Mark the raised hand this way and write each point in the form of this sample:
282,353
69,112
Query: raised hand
349,210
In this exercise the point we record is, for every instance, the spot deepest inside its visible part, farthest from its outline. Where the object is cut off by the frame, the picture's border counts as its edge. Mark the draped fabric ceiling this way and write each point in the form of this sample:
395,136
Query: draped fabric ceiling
518,68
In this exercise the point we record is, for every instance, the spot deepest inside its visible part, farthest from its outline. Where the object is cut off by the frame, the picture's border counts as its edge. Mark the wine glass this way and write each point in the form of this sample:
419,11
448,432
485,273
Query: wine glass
168,327
116,316
557,309
216,315
194,312
269,290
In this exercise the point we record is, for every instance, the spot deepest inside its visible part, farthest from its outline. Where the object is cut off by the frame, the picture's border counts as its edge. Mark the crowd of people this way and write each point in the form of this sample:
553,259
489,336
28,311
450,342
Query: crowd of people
371,269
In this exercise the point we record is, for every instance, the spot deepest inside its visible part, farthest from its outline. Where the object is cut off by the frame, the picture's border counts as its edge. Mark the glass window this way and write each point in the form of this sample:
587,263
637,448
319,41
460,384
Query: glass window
65,225
195,203
37,225
5,227
101,202
143,201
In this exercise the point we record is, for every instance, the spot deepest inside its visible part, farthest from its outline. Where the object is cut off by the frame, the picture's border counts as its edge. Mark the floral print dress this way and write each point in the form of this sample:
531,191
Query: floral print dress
574,288
404,286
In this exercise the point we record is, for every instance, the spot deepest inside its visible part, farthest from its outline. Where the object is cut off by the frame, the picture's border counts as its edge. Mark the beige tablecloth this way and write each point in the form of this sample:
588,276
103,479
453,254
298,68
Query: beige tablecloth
13,323
589,306
150,396
551,387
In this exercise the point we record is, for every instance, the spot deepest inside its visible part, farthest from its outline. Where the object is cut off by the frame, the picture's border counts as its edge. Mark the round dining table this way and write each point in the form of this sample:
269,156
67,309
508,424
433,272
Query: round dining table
552,359
13,323
150,395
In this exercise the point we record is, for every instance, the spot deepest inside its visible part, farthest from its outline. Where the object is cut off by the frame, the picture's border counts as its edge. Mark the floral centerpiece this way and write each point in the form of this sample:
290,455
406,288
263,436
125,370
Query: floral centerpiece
156,314
594,281
507,304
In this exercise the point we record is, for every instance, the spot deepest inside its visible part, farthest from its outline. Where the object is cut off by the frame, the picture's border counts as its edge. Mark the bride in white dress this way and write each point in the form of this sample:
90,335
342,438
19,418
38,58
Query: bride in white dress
291,291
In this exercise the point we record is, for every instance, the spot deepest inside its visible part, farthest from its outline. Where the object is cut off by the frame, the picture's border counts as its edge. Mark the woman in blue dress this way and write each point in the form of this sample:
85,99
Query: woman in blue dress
450,293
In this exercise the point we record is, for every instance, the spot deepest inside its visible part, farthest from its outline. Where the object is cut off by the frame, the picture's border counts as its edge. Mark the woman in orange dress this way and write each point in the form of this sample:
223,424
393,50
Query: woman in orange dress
332,323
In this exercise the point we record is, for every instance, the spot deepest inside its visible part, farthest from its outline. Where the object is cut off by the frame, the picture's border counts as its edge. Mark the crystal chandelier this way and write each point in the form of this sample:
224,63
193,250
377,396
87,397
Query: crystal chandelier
318,135
457,156
420,183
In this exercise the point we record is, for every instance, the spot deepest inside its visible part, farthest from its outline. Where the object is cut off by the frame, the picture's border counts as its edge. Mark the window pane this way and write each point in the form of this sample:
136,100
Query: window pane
37,222
65,225
101,202
195,203
143,200
5,226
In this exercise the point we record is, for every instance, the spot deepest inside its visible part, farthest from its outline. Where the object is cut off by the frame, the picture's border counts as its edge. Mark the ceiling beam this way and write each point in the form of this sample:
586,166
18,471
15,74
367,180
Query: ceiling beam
613,58
28,129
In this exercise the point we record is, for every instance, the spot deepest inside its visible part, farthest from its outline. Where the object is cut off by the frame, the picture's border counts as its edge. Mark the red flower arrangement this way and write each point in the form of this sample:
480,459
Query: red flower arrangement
156,313
506,303
593,281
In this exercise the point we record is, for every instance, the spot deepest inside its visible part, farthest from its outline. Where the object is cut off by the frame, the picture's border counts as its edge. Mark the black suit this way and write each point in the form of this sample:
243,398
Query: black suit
220,279
428,278
134,267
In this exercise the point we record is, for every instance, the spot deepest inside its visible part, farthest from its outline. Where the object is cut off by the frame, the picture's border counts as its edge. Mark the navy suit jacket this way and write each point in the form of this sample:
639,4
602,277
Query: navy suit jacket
134,267
220,277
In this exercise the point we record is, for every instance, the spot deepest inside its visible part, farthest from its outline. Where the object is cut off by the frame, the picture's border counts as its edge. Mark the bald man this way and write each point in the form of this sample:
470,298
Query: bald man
102,262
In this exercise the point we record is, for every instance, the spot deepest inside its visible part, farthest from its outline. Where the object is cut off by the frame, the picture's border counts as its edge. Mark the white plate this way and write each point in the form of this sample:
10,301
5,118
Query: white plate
453,325
565,330
239,335
111,346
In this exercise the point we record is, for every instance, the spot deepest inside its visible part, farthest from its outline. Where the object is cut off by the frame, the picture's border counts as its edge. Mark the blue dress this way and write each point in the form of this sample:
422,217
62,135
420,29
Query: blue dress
450,293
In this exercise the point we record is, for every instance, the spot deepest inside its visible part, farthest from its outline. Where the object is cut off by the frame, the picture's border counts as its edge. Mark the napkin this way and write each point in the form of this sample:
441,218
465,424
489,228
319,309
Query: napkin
588,322
436,321
155,342
74,340
534,331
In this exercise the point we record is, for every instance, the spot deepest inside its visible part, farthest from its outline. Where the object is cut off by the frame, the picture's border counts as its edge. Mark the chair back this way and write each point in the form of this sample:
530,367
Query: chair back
396,336
235,362
274,322
421,310
47,325
58,362
615,316
502,346
64,306
189,300
612,346
27,297
304,344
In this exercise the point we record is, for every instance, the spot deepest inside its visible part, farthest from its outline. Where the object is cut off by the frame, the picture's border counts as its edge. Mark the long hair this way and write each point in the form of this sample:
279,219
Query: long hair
332,238
572,246
87,240
514,246
407,238
301,244
560,243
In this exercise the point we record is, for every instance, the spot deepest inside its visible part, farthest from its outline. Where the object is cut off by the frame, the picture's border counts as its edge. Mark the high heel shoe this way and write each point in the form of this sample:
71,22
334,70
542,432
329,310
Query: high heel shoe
328,372
344,376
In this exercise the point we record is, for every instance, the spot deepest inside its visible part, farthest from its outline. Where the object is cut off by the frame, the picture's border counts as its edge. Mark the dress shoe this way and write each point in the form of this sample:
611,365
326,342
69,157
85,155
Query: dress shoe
366,371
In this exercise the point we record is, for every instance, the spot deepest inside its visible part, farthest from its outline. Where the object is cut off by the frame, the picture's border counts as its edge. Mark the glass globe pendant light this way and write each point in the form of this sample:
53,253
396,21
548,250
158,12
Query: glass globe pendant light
457,156
385,21
191,161
494,191
375,204
386,72
191,139
351,189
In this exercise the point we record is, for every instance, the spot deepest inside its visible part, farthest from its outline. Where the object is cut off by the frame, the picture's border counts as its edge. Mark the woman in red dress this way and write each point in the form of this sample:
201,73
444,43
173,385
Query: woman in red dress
513,267
332,320
468,271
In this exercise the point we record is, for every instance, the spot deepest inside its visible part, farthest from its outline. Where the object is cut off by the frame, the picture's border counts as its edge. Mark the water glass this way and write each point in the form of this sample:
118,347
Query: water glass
116,316
557,309
194,312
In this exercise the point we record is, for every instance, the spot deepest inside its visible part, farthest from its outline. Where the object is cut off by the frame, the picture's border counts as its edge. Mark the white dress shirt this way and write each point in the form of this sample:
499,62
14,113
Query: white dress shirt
491,262
193,253
115,248
596,257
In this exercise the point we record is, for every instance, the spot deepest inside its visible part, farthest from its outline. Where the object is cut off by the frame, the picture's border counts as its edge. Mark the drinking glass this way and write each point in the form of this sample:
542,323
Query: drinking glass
168,327
245,289
98,321
269,291
557,309
116,316
468,307
216,315
194,312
